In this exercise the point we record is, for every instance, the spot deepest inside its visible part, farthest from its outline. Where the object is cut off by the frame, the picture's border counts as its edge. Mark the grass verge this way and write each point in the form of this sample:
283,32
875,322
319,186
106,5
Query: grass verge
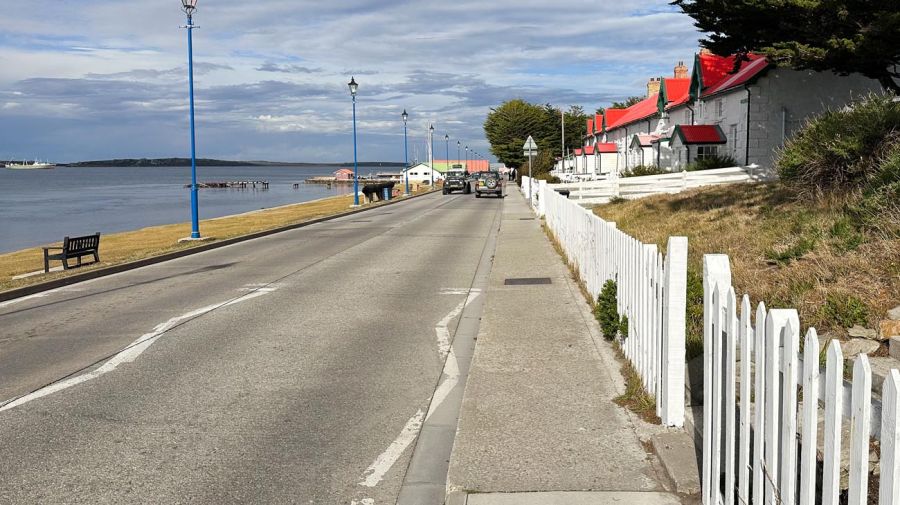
785,252
124,247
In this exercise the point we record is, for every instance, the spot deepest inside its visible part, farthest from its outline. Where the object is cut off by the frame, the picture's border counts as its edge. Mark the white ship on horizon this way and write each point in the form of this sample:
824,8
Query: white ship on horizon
30,166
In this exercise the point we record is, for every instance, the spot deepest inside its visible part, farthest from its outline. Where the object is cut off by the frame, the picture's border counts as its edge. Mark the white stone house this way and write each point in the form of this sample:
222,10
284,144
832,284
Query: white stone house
691,143
640,151
758,107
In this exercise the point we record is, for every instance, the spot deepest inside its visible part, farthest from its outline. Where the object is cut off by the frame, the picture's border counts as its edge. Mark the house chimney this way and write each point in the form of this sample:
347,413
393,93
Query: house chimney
652,86
681,70
705,51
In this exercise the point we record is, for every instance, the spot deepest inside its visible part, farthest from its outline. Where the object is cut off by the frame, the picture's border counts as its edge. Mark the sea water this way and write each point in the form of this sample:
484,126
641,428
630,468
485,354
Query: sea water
39,207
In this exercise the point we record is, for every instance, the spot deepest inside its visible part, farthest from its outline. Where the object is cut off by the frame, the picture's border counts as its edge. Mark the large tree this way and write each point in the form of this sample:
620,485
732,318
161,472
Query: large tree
508,125
843,36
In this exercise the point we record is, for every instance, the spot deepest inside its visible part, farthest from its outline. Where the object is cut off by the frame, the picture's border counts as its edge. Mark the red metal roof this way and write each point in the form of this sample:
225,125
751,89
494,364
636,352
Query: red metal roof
748,71
343,171
588,149
606,147
577,152
645,139
641,110
590,127
613,116
598,123
677,91
699,134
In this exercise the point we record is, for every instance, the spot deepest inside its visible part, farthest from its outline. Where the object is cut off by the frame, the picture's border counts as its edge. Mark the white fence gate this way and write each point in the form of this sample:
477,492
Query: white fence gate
752,371
652,291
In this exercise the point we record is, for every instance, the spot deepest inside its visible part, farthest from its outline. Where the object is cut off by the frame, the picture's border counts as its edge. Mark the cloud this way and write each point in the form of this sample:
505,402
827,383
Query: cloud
271,77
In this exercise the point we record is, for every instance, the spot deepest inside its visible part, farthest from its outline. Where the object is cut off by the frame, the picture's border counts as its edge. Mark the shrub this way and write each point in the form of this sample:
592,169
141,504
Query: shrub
606,311
711,162
843,150
623,327
845,310
642,170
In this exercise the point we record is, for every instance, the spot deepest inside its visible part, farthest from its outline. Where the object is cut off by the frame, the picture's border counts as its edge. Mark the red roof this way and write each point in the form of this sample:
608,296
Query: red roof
607,147
677,91
590,127
641,110
645,139
598,123
699,134
577,152
613,116
749,70
343,171
588,149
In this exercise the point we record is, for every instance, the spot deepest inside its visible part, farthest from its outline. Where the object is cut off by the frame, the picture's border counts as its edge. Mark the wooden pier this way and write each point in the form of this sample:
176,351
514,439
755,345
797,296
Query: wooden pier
232,185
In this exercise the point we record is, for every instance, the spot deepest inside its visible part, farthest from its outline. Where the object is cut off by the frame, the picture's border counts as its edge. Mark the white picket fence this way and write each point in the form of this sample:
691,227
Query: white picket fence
651,291
752,372
602,191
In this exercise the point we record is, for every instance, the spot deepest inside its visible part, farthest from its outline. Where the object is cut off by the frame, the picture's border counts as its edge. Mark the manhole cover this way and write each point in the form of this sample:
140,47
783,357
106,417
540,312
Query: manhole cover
526,219
525,281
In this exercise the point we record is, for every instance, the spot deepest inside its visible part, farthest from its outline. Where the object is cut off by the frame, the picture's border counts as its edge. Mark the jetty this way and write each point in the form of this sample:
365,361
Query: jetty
232,184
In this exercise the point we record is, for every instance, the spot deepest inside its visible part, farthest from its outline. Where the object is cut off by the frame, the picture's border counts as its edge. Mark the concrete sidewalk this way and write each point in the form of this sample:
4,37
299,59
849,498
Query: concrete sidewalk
538,424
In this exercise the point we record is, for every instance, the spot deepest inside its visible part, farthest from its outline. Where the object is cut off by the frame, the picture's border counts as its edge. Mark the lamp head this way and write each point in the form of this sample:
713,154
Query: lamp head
189,6
353,86
405,116
447,137
431,128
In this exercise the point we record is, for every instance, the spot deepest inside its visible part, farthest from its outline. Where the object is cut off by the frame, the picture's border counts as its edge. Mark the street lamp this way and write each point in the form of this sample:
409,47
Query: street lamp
405,116
189,6
447,141
467,159
457,152
431,140
353,87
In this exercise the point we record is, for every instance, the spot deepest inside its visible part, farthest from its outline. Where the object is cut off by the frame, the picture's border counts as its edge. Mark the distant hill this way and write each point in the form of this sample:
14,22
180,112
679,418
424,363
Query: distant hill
205,162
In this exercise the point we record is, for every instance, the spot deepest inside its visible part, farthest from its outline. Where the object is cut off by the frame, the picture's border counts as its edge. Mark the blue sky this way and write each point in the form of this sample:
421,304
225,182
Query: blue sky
85,79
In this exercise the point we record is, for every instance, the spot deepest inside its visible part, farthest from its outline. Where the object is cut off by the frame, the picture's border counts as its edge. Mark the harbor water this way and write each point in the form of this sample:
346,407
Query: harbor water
39,207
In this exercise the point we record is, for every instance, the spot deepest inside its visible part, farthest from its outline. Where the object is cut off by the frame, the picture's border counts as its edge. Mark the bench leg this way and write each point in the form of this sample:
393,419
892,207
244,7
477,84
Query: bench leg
65,262
46,263
96,258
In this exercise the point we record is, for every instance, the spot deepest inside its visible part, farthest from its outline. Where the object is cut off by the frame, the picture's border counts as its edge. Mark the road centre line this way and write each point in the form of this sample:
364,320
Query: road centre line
130,352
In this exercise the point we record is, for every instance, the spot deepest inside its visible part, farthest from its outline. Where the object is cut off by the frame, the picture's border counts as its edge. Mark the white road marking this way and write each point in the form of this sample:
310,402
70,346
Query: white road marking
458,291
129,353
383,463
29,297
377,470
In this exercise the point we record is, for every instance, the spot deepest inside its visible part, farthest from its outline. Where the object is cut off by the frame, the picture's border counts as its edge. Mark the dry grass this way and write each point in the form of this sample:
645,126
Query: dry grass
635,398
117,248
785,253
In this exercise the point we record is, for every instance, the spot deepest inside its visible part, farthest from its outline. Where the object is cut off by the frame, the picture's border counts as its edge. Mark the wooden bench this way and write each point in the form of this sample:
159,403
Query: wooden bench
73,247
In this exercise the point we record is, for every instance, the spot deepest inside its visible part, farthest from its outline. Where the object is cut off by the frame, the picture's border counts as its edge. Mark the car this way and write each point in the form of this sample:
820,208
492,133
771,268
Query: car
489,183
456,180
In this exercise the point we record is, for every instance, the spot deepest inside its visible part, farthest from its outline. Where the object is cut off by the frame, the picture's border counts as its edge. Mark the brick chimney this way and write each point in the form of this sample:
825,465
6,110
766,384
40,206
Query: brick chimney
681,70
652,86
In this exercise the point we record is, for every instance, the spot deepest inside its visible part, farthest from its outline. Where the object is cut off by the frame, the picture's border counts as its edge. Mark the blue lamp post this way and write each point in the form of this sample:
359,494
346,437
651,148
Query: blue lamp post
431,139
353,87
189,6
447,141
405,116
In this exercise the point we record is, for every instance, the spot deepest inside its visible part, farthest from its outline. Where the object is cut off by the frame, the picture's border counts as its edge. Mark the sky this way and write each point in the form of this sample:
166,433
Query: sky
88,79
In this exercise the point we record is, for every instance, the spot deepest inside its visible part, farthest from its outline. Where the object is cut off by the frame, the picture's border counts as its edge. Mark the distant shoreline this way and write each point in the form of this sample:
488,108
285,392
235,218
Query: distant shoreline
205,162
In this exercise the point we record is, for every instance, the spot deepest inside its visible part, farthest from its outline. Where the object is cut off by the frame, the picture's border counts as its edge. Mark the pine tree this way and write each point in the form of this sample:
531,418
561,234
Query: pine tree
843,36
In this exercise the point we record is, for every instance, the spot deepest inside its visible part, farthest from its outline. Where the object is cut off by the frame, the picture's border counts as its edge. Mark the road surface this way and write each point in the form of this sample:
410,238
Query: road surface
295,368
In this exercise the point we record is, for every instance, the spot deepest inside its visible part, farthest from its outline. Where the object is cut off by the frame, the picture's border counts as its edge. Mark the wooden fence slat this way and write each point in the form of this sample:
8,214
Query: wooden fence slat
859,431
759,425
745,333
774,324
675,302
834,400
715,400
730,404
788,463
809,428
889,489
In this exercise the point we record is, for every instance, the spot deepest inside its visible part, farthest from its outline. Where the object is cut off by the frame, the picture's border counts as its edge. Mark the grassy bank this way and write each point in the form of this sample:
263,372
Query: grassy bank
808,256
117,248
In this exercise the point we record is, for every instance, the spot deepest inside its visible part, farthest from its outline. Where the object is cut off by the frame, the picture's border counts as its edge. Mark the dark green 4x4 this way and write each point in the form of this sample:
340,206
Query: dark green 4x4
456,180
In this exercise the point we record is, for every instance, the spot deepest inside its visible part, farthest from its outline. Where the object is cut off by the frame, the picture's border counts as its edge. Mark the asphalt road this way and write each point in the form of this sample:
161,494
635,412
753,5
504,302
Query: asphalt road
295,368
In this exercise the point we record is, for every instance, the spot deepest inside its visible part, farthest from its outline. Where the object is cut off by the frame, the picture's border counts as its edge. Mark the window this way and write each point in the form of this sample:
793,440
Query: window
720,107
732,137
704,152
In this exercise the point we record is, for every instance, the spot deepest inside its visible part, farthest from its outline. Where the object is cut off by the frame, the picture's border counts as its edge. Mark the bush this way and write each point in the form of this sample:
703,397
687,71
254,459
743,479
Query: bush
606,311
855,148
642,170
711,162
623,327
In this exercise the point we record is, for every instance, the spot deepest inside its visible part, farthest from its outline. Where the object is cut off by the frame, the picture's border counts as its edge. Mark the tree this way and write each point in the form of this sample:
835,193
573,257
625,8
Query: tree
508,125
843,36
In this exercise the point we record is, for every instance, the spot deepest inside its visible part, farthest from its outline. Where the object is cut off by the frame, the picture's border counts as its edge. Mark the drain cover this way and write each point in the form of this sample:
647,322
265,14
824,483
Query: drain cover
526,281
526,219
